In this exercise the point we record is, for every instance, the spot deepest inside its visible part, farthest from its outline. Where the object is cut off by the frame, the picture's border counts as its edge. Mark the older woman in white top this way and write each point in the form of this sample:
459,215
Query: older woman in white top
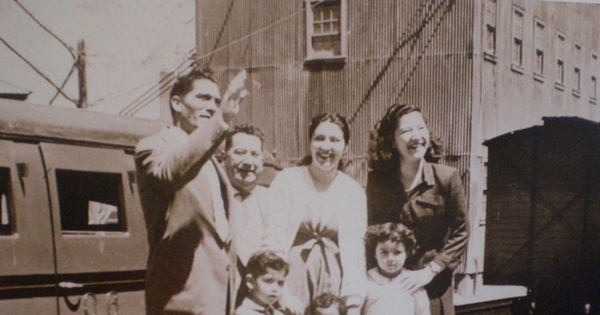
320,219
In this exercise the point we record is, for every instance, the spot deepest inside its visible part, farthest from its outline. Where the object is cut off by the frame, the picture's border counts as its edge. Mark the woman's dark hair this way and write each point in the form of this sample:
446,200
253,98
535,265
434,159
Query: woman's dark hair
383,154
397,233
332,118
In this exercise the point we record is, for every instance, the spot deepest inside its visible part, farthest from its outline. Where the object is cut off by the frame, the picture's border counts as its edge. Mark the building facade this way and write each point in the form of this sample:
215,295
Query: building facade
478,70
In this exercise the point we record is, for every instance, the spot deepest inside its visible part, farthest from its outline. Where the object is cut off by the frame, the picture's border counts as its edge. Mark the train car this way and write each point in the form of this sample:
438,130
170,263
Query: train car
72,233
543,214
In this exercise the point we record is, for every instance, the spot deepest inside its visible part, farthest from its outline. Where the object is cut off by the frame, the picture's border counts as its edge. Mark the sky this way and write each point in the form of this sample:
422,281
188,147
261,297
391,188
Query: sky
127,43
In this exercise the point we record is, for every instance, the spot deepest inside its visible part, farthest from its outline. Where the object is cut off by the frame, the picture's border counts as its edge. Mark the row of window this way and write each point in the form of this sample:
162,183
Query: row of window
539,34
88,201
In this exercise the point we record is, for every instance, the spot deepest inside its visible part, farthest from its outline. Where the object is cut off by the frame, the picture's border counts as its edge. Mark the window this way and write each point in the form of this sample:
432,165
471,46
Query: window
539,43
90,201
560,63
489,51
325,30
6,213
577,70
517,59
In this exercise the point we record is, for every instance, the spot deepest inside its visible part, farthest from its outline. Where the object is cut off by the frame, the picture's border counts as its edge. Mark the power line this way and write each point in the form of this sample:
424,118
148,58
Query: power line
426,46
150,94
69,48
259,30
38,71
142,102
405,38
225,20
64,82
164,88
197,58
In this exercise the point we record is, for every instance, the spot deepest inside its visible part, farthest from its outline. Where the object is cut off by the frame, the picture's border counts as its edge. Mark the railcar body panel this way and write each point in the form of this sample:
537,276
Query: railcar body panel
72,233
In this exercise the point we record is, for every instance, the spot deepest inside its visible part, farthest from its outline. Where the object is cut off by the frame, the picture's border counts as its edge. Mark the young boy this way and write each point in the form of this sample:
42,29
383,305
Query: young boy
391,244
266,272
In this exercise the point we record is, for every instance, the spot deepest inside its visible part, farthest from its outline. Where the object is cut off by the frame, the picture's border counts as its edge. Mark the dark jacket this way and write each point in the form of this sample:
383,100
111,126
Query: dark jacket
435,210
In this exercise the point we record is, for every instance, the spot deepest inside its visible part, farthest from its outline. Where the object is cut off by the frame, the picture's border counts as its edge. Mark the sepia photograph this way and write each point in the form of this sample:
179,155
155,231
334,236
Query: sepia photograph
300,157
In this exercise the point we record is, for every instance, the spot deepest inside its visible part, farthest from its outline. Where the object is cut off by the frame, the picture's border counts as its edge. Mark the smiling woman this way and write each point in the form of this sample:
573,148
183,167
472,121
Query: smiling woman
321,218
403,186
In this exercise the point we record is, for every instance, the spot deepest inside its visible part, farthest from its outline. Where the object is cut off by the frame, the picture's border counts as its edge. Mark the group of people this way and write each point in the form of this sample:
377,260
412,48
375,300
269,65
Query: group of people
314,241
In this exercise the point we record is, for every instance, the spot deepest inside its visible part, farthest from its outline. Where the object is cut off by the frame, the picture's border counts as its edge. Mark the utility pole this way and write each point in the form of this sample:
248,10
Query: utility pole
82,102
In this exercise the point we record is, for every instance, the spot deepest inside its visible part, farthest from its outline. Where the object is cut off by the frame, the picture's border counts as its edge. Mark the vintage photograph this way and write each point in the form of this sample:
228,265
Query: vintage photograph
299,157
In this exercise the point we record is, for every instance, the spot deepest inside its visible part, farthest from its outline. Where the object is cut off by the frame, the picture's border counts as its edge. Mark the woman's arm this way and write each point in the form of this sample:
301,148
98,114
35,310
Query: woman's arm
456,216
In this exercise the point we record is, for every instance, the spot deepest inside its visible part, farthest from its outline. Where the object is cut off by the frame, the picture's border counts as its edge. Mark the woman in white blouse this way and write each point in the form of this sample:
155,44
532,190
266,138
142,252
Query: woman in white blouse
320,219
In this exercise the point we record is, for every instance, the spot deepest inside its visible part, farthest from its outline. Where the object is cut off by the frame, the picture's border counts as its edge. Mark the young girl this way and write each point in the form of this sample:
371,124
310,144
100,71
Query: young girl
391,244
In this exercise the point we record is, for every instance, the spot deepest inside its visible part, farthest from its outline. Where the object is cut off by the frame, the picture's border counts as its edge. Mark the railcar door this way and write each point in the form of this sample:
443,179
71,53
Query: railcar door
101,246
27,274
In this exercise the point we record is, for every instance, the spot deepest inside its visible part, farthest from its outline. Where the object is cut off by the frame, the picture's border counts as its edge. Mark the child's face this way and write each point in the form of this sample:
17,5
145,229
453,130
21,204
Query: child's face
266,289
390,258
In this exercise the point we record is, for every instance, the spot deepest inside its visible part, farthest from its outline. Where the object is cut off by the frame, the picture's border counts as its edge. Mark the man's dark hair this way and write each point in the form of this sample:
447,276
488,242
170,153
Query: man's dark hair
249,130
261,261
185,83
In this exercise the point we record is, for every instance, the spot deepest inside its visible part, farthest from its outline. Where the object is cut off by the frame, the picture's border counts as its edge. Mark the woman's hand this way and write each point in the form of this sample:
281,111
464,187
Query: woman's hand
416,280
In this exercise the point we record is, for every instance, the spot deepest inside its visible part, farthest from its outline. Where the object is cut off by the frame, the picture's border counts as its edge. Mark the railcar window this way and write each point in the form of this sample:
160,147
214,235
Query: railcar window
6,213
90,201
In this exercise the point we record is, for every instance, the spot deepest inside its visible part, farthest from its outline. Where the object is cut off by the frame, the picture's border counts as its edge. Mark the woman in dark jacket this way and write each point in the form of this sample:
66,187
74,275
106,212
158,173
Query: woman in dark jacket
403,186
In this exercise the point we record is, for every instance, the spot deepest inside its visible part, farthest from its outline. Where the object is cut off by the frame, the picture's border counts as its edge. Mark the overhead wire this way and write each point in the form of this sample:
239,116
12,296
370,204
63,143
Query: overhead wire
157,89
221,31
127,109
139,86
426,46
71,50
37,70
413,38
408,35
62,86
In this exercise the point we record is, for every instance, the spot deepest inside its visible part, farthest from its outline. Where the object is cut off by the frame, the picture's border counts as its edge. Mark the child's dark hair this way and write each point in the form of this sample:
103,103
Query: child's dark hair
325,300
395,232
260,261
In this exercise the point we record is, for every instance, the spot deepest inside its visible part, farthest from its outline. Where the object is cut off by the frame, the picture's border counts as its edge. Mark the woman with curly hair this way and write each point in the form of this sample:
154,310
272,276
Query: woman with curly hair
404,186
